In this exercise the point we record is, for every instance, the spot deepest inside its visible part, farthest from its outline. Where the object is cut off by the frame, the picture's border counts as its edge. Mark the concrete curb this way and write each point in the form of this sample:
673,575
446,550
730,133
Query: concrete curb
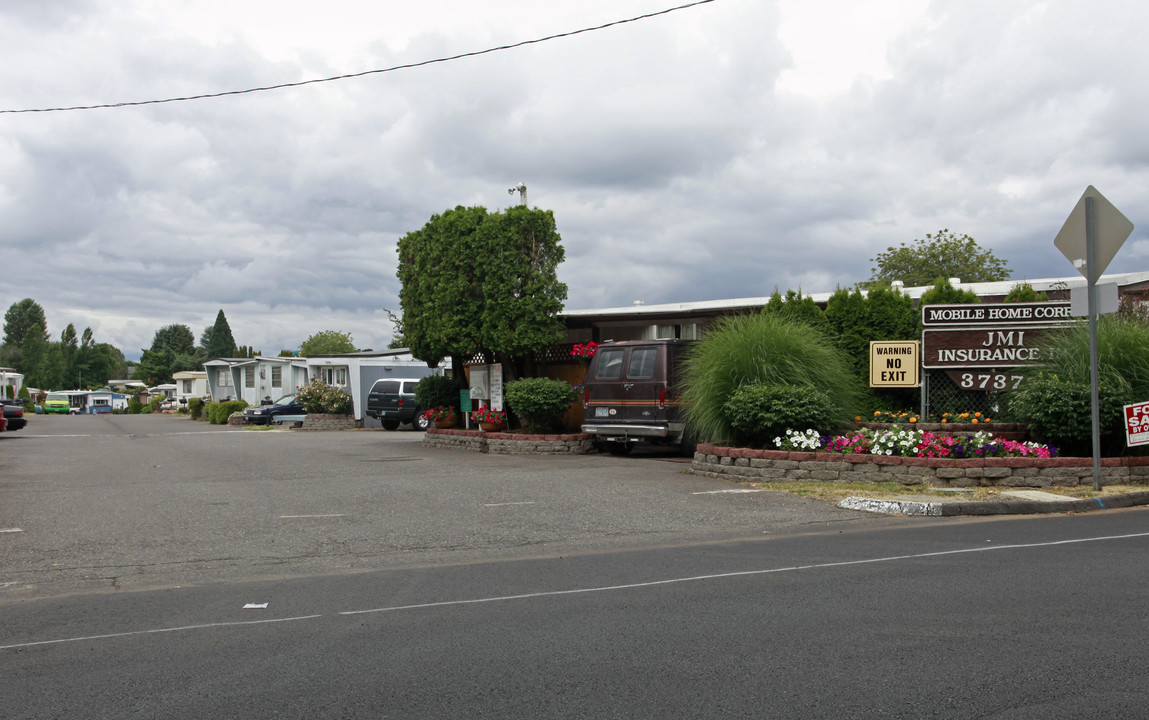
997,507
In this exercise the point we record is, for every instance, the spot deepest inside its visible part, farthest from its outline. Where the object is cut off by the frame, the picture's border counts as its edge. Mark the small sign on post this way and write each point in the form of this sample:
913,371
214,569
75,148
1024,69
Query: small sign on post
1137,424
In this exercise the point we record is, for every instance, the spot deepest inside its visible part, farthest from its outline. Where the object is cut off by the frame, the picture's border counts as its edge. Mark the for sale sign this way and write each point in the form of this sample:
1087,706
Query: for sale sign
1137,424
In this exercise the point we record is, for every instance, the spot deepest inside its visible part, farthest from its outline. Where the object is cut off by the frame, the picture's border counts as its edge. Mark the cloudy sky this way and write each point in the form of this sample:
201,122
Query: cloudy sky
718,151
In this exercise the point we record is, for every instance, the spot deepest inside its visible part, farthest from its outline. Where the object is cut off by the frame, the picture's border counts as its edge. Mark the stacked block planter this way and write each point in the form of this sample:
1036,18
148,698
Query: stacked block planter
789,466
325,421
510,443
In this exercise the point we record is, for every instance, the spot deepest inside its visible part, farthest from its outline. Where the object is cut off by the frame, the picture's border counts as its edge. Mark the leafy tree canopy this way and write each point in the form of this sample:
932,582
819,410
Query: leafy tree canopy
175,337
327,342
474,281
19,320
1024,292
942,293
798,308
939,255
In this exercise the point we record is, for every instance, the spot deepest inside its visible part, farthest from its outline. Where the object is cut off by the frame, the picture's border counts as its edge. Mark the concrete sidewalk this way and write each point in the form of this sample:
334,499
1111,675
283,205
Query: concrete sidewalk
1012,502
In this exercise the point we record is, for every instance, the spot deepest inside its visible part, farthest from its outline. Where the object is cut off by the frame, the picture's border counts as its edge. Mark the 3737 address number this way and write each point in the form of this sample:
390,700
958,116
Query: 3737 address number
968,380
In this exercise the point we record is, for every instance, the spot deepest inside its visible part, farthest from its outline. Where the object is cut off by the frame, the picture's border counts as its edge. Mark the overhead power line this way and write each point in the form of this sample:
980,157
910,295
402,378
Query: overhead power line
395,68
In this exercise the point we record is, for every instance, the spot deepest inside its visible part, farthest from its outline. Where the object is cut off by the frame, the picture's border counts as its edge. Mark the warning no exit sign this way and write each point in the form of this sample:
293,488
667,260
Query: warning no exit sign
895,363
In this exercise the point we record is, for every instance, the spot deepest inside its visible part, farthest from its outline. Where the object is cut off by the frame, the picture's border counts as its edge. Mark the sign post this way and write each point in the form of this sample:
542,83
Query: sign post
1092,234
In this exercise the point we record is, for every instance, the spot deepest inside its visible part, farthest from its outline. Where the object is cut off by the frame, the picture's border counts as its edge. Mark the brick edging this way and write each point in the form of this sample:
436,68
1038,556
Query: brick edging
505,443
787,465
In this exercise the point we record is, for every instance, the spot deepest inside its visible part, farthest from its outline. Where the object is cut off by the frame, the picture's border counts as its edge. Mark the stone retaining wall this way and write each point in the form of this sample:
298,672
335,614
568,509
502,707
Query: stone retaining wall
789,466
325,421
509,443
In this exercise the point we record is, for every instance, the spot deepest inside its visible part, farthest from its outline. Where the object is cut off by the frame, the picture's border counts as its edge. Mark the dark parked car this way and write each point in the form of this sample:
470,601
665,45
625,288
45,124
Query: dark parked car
14,415
263,414
392,400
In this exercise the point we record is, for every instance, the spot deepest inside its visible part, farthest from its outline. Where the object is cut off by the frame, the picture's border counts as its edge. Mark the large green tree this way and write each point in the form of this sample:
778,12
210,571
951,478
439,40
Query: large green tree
479,282
220,342
20,318
34,351
173,349
175,337
939,255
327,342
69,354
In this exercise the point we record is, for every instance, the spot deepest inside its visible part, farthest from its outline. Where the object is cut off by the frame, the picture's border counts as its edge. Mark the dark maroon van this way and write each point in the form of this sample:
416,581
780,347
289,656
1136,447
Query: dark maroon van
631,395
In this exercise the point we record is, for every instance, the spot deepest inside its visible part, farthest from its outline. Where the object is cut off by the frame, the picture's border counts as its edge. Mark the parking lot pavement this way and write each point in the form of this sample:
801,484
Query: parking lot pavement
116,502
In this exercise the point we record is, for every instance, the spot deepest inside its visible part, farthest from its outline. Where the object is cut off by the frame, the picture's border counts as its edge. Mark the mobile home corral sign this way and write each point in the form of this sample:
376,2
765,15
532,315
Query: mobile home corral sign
987,336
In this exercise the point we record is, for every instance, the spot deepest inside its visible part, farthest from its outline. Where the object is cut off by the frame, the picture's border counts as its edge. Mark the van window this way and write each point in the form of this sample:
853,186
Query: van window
642,363
391,387
409,387
609,364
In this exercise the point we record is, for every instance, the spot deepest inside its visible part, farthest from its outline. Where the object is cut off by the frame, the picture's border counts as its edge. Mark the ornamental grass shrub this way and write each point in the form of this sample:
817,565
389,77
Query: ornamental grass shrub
744,350
539,402
1054,401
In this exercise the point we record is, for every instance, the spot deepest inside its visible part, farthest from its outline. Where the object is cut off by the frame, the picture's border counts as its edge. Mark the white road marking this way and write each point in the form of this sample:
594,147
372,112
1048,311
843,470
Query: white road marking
719,492
529,502
10,530
158,631
604,588
288,517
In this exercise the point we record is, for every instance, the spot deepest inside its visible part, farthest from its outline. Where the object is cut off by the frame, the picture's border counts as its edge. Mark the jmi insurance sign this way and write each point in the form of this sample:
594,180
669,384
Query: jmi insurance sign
987,336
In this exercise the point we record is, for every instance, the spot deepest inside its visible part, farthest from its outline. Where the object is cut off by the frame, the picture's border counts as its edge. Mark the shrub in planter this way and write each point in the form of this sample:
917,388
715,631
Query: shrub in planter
219,412
319,397
135,407
195,408
1054,400
539,402
762,411
1059,412
437,391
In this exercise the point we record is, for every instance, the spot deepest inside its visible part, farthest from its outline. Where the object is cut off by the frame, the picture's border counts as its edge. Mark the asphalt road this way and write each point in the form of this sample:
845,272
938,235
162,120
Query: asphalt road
357,575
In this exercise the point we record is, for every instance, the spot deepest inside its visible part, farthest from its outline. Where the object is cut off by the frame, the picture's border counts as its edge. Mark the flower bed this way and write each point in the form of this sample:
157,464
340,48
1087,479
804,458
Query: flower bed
1008,431
509,443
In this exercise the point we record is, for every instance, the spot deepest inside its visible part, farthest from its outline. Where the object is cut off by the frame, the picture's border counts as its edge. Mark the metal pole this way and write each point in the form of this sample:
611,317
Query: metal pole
1091,288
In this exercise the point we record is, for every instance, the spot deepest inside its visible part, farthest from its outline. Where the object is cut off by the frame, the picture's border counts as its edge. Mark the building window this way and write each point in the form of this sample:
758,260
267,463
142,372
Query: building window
277,377
187,387
249,376
223,378
334,375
